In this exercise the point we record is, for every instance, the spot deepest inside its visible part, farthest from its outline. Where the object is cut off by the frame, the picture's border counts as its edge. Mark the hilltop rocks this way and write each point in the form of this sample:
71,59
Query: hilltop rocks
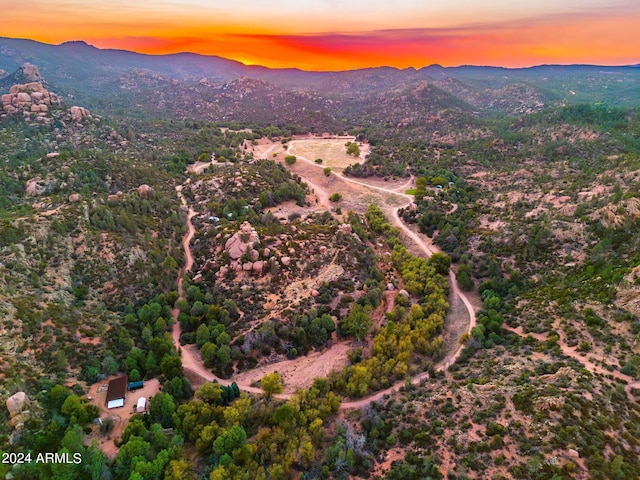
74,198
244,256
79,113
29,99
241,241
18,407
615,215
31,73
23,97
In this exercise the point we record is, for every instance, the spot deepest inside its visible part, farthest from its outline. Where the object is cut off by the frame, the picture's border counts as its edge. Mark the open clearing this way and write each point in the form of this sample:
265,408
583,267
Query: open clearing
120,416
332,151
302,371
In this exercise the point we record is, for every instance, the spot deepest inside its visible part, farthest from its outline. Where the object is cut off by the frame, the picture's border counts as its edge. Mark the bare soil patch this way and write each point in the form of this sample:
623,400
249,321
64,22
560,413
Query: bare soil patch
393,455
265,148
198,167
98,395
300,372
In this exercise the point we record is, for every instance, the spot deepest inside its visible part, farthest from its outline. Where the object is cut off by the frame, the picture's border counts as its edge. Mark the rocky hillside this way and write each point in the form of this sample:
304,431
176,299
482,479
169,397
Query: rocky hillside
30,100
215,89
34,102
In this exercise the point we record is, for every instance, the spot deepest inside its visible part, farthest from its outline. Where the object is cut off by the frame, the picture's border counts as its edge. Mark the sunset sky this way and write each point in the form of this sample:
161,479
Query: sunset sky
345,34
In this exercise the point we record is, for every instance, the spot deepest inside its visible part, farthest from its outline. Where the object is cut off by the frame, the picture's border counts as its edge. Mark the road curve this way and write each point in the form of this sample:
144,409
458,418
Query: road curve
193,363
190,361
446,362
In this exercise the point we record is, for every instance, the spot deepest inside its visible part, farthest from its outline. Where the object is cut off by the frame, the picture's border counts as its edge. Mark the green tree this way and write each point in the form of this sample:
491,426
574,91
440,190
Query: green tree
441,262
170,264
203,335
135,447
327,171
271,384
358,321
209,353
210,392
161,409
290,159
229,441
171,366
179,469
463,276
353,149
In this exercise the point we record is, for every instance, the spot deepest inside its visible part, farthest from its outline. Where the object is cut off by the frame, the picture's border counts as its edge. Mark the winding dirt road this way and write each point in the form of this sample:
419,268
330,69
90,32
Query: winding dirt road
428,250
576,355
191,358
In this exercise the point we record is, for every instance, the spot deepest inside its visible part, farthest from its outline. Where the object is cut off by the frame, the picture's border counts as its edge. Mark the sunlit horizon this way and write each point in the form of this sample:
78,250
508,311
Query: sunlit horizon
329,35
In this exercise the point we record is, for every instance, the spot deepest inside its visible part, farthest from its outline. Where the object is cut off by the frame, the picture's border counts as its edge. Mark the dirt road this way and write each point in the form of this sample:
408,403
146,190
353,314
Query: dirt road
191,359
582,358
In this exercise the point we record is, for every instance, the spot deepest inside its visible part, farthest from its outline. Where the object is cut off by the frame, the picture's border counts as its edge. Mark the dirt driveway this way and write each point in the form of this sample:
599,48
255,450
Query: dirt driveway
98,396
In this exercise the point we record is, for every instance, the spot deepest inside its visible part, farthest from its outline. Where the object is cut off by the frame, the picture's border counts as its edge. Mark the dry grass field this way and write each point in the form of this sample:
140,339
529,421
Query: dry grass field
333,152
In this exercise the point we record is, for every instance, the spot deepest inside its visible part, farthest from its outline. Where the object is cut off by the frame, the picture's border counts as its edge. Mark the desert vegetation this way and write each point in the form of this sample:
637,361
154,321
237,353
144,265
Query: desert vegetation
528,202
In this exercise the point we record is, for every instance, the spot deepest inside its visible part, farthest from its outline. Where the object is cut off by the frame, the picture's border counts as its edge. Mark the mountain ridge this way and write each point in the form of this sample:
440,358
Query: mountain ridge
84,44
190,85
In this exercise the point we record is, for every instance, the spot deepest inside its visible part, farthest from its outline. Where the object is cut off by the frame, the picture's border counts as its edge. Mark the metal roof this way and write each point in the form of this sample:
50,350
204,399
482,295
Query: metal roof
117,388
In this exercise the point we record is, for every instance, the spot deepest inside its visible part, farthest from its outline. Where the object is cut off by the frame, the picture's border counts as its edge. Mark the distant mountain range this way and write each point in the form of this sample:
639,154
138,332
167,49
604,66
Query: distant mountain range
116,79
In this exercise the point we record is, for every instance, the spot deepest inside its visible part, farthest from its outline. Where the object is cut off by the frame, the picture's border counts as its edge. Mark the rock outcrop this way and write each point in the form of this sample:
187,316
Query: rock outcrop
17,403
34,188
242,241
31,73
145,191
563,373
549,403
30,100
345,228
78,114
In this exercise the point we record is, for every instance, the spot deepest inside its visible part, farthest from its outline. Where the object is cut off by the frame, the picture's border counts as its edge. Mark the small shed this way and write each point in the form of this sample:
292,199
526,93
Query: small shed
116,392
136,385
141,406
